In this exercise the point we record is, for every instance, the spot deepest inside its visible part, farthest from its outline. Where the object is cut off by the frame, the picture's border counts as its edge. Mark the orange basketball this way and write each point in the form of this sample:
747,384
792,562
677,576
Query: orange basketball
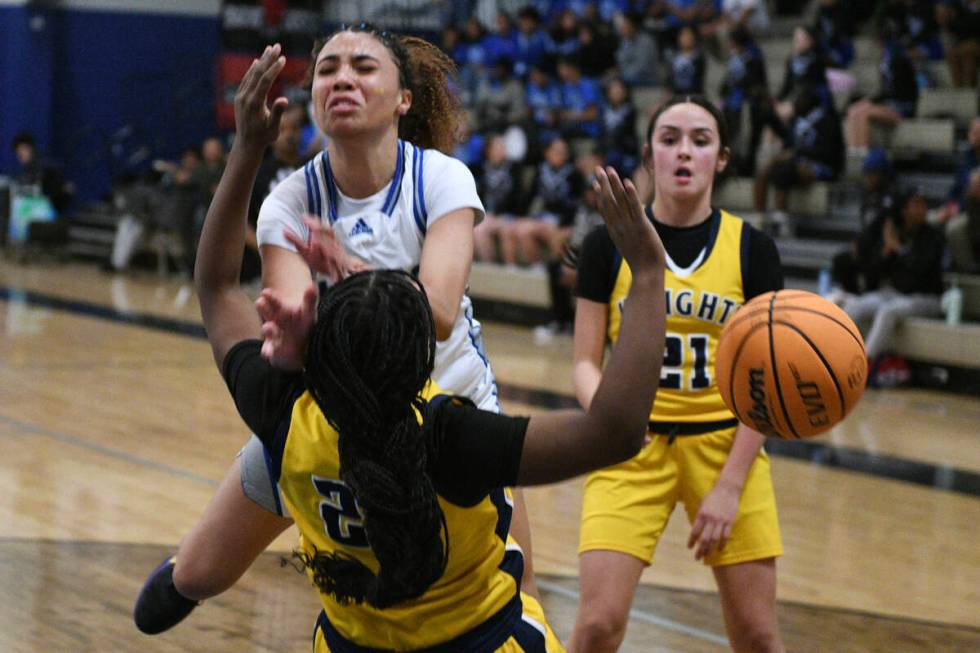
791,364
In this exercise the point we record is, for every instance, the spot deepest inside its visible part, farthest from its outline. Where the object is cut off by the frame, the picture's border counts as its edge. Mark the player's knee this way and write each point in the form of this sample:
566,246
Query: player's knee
198,580
601,629
756,638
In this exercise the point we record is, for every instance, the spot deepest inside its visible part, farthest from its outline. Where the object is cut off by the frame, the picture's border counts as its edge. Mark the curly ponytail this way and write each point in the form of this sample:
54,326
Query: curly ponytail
436,117
370,354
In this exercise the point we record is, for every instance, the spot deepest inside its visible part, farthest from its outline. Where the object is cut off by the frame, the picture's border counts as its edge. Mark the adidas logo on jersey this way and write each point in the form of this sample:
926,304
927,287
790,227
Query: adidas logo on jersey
361,228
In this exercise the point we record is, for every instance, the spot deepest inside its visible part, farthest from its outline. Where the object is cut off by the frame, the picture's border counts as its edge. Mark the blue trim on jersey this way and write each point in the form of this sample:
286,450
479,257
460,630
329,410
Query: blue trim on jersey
504,511
468,314
310,206
530,638
416,212
488,636
513,565
316,188
331,186
420,189
396,183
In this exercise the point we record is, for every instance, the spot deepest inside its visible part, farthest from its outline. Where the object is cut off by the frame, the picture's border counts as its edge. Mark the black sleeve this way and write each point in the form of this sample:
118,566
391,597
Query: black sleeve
263,395
762,271
596,266
477,450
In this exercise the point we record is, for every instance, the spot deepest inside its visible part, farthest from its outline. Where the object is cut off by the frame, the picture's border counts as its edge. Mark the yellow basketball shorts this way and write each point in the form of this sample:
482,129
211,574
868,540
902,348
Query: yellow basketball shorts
625,508
530,633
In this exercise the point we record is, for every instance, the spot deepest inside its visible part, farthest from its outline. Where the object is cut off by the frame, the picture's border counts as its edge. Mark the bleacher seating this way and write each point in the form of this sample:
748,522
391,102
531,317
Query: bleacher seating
960,104
919,135
736,194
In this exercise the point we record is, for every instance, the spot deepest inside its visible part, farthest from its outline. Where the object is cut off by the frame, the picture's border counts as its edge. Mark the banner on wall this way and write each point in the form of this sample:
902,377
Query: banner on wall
247,26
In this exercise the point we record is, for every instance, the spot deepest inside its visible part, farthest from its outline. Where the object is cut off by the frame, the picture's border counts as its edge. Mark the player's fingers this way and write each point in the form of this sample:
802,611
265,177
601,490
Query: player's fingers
616,184
634,203
607,203
265,81
279,107
696,528
251,75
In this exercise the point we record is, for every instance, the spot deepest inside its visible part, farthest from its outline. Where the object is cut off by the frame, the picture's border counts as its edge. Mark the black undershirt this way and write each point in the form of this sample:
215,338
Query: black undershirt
598,264
476,451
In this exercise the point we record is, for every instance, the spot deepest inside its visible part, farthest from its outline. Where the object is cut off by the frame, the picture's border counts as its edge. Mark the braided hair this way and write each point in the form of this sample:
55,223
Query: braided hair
369,357
436,118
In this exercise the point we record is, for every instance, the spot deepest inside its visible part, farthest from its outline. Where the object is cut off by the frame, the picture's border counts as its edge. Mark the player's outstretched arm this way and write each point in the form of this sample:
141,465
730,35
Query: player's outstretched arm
228,313
563,444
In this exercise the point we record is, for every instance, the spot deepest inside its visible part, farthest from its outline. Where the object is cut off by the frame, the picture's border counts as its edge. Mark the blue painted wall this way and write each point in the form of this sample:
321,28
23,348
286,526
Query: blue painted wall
96,87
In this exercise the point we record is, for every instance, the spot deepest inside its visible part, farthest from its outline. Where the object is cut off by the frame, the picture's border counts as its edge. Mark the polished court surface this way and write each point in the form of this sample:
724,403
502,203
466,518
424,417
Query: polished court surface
115,428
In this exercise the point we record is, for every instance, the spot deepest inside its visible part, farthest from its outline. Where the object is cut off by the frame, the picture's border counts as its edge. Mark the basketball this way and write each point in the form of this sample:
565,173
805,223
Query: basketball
791,364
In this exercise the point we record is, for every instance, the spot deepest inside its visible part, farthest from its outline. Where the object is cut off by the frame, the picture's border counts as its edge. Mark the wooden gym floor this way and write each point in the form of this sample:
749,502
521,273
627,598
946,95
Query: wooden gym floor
115,428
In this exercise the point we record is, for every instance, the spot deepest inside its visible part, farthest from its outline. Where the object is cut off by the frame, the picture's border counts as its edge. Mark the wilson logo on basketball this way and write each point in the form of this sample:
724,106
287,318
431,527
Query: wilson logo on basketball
760,410
816,408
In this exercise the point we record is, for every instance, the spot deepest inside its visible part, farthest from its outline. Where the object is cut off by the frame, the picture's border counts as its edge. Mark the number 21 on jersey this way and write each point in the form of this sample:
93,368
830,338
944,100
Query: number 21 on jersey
685,364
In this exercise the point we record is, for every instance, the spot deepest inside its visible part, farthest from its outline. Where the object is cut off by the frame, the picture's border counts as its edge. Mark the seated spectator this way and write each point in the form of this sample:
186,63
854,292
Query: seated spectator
565,34
816,153
805,69
896,98
961,19
282,158
452,44
907,263
961,212
848,269
580,100
746,84
499,100
543,99
733,15
636,55
501,43
685,66
532,44
35,171
595,55
619,141
833,26
914,22
672,15
499,183
554,195
587,218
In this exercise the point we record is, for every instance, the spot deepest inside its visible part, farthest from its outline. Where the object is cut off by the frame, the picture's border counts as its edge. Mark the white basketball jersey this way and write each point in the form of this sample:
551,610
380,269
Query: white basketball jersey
387,231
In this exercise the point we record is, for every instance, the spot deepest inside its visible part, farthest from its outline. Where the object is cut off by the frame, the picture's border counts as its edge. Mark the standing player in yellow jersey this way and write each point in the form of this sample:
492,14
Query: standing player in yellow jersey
698,453
397,495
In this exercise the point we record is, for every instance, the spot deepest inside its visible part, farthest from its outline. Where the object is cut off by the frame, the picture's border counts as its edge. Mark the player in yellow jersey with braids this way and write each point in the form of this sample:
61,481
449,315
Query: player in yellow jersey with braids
698,453
396,491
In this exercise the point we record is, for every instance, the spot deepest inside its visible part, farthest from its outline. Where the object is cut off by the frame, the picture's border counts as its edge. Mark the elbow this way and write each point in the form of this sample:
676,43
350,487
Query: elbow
624,438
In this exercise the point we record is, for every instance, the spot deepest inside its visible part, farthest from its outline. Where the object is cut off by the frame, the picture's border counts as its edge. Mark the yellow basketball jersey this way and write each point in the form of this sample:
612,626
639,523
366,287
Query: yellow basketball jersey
700,300
481,575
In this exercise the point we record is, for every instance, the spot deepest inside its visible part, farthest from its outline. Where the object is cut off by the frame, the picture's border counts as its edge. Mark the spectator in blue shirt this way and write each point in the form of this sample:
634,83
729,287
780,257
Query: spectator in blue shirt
619,140
686,65
565,34
580,100
501,44
543,97
531,43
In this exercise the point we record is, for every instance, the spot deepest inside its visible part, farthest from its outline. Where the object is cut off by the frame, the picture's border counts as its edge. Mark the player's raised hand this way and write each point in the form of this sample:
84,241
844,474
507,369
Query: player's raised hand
286,329
256,122
631,231
323,252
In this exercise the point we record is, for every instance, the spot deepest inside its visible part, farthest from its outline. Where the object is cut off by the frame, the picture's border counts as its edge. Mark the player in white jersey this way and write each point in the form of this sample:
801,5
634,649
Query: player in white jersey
387,230
396,203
